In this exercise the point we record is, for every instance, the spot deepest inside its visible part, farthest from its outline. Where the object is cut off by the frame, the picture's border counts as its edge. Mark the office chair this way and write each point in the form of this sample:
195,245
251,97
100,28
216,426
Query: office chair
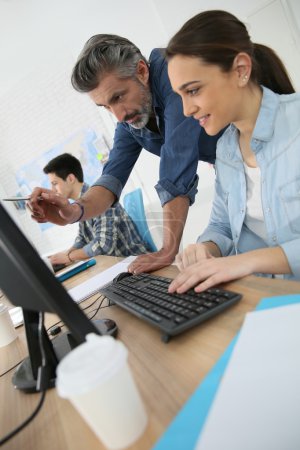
134,206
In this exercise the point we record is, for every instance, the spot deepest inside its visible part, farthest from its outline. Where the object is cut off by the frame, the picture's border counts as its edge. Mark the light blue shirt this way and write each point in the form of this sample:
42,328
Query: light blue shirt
276,144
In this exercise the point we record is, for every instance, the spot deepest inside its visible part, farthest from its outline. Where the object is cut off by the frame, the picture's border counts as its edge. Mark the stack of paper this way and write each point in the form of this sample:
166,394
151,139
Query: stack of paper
257,406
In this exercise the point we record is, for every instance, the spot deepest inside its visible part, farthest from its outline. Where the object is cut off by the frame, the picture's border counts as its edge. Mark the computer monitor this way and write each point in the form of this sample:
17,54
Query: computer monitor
27,282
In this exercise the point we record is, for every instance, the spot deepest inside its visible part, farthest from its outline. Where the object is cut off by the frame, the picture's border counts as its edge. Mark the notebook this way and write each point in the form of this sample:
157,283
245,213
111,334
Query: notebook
93,284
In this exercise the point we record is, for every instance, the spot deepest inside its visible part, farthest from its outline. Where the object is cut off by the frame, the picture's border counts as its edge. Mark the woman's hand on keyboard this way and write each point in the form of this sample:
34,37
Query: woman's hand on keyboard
195,253
210,272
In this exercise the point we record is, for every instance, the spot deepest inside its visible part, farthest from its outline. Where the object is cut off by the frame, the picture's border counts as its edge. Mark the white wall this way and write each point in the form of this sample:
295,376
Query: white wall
33,32
38,108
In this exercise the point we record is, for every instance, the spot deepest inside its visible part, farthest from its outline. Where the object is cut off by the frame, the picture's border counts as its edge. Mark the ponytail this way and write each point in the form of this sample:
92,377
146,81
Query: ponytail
269,70
216,37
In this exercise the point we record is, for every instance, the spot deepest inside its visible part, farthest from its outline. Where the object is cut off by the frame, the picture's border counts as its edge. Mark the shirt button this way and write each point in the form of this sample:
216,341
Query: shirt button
274,238
268,210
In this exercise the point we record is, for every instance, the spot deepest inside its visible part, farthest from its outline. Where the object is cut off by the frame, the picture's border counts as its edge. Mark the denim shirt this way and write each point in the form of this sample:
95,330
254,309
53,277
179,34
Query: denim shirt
276,144
180,142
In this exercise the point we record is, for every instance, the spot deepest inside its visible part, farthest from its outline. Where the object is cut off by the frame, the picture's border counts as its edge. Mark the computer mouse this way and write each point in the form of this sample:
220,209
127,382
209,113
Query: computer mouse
110,326
122,275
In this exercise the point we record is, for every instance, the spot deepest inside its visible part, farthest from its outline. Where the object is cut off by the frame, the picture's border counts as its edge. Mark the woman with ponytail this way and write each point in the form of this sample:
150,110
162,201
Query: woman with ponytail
225,79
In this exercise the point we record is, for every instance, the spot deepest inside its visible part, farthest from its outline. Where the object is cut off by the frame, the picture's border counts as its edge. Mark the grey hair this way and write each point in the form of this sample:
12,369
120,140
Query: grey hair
103,54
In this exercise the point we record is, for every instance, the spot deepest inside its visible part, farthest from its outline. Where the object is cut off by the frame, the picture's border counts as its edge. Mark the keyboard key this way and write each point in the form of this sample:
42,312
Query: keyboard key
144,311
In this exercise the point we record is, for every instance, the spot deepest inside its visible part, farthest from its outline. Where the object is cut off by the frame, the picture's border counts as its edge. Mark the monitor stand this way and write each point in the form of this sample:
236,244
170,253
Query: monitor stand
25,377
65,342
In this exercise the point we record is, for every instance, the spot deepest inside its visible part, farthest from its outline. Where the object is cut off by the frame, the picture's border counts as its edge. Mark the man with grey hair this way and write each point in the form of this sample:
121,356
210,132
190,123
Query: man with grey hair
116,76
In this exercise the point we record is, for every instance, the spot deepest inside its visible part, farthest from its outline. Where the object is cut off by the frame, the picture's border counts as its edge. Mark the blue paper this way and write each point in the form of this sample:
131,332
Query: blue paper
185,429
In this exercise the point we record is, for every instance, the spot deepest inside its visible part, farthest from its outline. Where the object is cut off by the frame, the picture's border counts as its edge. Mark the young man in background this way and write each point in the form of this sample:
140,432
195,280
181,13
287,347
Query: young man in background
112,233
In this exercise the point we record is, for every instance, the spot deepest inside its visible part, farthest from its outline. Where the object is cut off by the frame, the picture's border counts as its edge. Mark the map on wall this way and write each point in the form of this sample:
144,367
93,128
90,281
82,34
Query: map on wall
91,150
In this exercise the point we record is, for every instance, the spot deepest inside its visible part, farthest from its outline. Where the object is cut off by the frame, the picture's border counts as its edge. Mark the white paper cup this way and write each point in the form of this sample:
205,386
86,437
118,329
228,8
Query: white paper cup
7,329
95,377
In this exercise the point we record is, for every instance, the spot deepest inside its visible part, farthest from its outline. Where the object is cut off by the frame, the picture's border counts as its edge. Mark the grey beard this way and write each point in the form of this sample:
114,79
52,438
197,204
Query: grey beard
142,122
145,113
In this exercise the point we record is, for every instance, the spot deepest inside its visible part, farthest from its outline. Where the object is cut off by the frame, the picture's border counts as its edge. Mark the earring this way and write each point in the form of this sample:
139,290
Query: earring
245,77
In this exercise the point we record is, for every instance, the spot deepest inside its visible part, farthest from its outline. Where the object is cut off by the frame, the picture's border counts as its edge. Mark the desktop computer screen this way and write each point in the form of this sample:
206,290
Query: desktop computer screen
27,282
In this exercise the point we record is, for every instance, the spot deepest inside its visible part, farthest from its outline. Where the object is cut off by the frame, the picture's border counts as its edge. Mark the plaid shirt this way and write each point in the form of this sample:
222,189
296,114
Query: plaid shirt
112,233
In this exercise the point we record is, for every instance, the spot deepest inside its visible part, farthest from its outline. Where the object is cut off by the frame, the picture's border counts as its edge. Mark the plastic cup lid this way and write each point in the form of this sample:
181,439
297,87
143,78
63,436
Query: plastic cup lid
89,365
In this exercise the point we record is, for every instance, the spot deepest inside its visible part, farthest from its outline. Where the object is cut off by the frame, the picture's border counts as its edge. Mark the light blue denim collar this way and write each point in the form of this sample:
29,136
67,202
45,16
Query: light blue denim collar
265,122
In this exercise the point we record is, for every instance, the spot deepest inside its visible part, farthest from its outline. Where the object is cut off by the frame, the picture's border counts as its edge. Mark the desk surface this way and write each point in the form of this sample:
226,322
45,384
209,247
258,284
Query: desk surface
166,374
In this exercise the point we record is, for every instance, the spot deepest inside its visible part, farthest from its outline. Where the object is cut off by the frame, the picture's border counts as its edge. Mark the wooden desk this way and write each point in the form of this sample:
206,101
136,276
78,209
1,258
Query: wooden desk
166,374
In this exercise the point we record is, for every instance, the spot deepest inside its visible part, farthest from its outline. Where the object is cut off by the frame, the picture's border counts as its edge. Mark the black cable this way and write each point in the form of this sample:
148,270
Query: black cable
26,422
13,433
97,309
109,305
87,307
82,309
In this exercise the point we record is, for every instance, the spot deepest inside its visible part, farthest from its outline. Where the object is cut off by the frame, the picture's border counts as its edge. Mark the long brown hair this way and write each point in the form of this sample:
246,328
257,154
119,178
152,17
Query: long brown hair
217,37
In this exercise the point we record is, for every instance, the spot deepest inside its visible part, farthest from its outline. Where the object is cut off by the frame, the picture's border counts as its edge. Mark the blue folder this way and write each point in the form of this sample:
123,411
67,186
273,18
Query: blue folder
71,271
185,429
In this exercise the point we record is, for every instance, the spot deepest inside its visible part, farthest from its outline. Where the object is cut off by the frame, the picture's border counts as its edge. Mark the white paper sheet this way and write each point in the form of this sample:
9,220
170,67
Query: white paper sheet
257,406
93,284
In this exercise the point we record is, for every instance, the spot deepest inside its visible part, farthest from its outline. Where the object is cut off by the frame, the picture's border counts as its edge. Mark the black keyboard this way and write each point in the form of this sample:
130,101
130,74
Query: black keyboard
147,297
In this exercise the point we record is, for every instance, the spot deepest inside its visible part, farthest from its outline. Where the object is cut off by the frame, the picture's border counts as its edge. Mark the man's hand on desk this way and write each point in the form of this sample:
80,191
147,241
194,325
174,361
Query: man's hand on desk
151,261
